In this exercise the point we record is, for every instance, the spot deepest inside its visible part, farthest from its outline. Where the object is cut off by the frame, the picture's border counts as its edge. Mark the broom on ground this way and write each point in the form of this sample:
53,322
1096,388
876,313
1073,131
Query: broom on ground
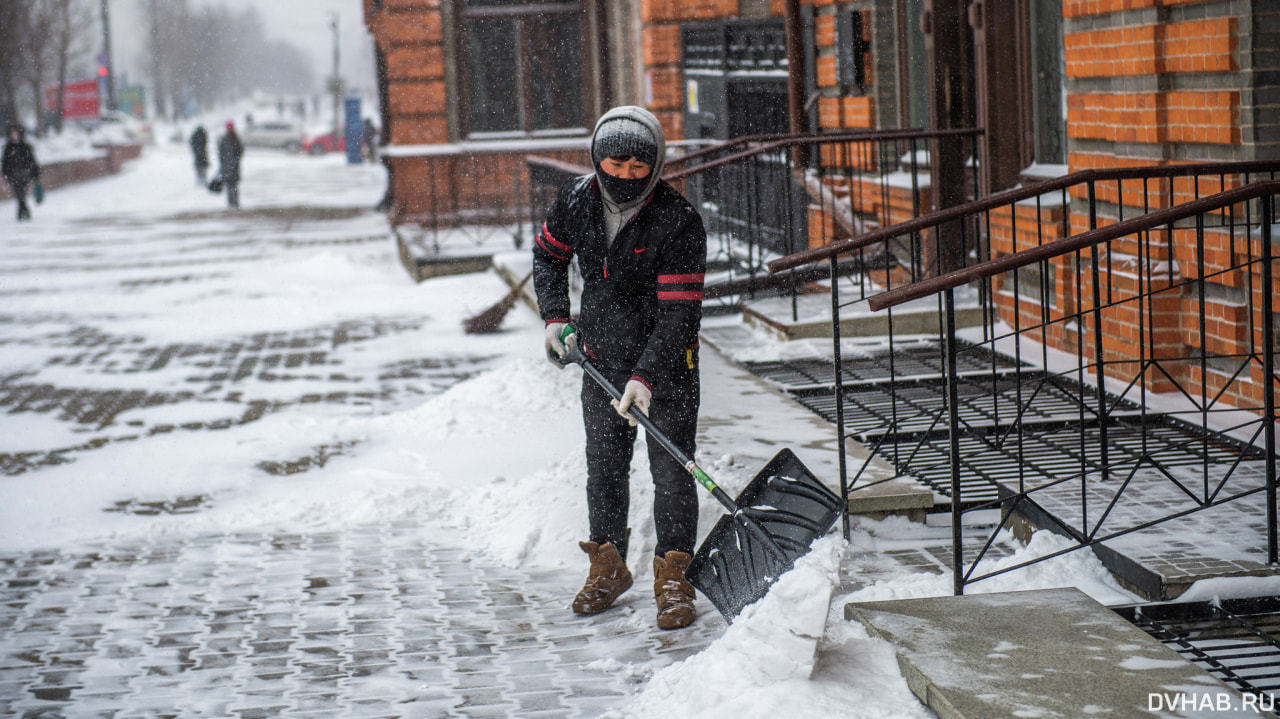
489,320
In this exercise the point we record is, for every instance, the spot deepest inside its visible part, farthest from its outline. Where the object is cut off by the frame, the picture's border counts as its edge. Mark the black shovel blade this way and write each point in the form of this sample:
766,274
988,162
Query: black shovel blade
735,566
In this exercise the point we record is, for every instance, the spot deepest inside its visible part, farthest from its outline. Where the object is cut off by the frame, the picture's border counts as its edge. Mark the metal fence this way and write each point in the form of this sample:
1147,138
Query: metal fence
768,196
1122,372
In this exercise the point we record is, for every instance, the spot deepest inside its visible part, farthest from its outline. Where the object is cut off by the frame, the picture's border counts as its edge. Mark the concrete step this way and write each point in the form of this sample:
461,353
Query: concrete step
810,316
1042,653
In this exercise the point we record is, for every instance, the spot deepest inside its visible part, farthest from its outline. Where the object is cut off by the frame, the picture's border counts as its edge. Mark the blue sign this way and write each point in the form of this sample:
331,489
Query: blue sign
355,131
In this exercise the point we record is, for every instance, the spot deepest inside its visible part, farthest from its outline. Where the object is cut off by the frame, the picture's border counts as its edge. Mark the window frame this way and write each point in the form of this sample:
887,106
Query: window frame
589,41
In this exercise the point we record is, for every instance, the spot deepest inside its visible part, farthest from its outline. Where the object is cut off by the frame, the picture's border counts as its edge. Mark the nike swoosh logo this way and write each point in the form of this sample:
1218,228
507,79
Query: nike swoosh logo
641,249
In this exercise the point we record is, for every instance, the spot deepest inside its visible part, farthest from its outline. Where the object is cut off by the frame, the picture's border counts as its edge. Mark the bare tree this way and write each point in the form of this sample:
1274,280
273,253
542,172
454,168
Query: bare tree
72,36
13,26
209,55
37,54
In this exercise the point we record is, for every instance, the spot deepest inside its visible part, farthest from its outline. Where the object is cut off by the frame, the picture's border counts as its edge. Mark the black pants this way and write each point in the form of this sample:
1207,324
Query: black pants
610,443
233,193
20,192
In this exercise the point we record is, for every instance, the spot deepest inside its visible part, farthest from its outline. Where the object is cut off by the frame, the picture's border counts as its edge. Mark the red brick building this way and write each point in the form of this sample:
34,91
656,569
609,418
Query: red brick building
470,86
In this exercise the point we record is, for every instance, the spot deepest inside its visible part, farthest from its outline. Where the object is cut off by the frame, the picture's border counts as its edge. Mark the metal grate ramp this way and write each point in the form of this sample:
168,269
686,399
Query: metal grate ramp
895,404
914,360
1236,640
989,400
1059,453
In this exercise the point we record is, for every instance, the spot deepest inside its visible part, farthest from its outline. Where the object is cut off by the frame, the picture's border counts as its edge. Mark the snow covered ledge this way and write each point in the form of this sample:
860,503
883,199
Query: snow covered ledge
1040,653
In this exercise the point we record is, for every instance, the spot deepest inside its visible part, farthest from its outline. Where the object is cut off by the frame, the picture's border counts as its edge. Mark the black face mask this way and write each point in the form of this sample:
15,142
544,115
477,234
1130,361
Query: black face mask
622,191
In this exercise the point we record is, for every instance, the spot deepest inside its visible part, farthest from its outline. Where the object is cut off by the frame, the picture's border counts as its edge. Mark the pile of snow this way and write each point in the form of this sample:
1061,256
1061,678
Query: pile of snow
764,665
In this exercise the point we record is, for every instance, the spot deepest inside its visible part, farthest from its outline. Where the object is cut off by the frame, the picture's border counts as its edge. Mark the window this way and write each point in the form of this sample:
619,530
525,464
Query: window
522,66
1048,68
913,77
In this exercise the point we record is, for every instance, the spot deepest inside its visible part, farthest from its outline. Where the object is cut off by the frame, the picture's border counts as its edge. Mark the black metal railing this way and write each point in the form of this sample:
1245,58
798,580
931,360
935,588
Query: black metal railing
1114,354
767,196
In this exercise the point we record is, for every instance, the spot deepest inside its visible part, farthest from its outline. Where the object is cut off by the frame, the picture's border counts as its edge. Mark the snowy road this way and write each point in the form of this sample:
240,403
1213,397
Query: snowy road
172,376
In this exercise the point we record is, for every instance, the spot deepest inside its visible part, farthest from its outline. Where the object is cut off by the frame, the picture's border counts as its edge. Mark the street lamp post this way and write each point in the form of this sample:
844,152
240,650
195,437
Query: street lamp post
336,81
106,54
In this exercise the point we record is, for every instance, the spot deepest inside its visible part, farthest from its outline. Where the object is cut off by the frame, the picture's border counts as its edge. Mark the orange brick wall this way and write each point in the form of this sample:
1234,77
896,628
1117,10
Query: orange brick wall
1188,117
1105,40
837,109
410,35
1145,89
660,54
682,10
477,186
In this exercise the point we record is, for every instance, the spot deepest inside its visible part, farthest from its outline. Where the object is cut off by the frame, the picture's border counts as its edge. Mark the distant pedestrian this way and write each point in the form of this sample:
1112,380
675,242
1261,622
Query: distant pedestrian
20,169
229,152
371,139
200,149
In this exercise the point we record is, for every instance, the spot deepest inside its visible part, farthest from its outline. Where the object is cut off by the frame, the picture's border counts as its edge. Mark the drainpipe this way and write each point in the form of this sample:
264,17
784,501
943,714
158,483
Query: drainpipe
795,77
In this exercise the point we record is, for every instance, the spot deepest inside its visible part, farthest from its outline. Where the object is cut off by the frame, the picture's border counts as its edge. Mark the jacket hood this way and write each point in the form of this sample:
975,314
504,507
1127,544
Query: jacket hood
646,118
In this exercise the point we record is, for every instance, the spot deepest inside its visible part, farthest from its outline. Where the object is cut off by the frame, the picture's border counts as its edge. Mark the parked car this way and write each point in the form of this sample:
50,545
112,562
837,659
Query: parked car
326,143
117,126
278,135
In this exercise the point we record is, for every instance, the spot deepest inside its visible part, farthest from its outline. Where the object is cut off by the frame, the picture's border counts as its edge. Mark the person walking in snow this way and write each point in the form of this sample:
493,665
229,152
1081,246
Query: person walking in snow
20,169
229,153
641,250
370,135
199,142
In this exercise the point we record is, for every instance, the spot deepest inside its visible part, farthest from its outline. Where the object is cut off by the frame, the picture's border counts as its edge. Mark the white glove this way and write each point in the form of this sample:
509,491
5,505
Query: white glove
635,393
554,347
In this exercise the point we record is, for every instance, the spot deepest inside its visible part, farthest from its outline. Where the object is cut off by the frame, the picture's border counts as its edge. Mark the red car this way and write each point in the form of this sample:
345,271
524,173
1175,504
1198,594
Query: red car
324,144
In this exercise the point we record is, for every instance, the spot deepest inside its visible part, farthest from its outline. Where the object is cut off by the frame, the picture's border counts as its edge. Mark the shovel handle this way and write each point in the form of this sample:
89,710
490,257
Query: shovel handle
574,354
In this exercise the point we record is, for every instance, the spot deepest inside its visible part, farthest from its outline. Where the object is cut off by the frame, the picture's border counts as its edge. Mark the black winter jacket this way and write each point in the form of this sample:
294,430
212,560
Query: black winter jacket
642,296
19,164
200,147
229,153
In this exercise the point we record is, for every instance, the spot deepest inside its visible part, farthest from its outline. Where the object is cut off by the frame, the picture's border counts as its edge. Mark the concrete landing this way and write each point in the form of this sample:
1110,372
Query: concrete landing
451,251
810,316
1044,653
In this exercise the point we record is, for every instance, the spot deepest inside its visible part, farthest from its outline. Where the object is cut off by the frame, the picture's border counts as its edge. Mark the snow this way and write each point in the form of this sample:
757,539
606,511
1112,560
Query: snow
486,454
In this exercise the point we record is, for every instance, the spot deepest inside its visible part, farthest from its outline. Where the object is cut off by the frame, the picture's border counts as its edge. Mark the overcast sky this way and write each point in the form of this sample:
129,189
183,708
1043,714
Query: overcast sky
304,23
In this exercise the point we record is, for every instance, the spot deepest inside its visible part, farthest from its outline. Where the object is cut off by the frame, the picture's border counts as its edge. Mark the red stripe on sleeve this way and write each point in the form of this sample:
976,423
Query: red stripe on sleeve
554,242
549,251
679,279
697,296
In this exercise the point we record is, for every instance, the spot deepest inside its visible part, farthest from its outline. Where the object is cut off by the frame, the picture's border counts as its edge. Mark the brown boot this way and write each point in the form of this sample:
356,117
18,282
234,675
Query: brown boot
607,580
674,594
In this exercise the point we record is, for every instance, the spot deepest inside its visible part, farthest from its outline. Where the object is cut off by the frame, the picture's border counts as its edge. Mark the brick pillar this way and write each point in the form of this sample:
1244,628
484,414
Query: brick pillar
662,91
1157,81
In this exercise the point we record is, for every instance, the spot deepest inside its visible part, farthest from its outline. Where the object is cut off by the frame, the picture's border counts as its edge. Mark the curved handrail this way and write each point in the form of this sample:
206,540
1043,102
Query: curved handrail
1006,197
770,143
787,141
1067,245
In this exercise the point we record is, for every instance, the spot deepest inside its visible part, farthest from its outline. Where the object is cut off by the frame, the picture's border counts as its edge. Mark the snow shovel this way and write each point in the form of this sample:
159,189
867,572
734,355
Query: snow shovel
770,525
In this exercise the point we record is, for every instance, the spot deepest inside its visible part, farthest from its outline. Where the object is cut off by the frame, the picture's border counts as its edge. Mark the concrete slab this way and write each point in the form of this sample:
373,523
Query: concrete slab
1044,653
810,316
422,265
428,253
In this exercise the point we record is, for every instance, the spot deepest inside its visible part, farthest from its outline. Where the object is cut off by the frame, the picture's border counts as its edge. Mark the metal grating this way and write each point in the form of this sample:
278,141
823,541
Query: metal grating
895,403
991,457
1236,640
922,360
984,400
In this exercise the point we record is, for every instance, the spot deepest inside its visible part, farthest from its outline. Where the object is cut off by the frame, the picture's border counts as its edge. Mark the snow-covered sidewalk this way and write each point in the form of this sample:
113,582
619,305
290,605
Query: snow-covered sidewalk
255,470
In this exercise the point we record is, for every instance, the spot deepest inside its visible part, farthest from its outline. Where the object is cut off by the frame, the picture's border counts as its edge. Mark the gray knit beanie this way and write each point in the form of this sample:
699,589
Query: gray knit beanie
623,137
